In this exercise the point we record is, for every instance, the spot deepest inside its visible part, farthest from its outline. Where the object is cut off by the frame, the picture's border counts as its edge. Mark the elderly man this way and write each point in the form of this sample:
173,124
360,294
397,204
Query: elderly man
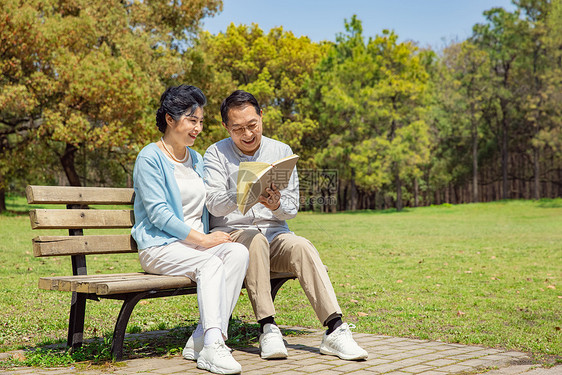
264,231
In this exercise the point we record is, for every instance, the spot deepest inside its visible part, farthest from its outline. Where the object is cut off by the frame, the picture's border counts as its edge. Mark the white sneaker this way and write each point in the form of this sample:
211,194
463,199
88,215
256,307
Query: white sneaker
271,343
193,347
217,358
340,343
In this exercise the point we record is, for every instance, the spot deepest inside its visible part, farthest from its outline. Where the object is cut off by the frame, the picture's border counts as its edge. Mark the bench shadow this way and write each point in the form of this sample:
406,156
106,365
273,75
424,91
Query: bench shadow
158,343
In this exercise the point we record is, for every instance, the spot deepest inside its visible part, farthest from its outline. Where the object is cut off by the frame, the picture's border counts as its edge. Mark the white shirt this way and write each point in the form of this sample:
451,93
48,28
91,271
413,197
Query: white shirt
192,191
222,161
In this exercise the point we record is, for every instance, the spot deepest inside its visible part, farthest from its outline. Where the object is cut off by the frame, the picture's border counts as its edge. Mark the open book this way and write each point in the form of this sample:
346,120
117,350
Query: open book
254,177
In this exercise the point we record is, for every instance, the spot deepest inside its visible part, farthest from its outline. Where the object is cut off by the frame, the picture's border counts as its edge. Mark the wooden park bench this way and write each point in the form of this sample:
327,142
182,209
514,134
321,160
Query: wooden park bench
128,287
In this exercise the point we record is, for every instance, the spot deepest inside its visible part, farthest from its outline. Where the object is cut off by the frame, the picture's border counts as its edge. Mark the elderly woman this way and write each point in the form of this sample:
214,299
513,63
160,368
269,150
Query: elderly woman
171,226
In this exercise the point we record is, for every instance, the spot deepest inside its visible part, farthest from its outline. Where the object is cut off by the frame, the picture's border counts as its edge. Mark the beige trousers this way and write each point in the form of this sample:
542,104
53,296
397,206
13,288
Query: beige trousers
286,253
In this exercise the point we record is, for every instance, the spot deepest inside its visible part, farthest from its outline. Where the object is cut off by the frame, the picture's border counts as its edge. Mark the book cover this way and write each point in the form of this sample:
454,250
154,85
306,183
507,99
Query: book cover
254,177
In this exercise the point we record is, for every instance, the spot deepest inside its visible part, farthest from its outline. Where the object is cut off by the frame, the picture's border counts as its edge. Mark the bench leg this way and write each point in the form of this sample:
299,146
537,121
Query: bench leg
276,284
129,304
76,320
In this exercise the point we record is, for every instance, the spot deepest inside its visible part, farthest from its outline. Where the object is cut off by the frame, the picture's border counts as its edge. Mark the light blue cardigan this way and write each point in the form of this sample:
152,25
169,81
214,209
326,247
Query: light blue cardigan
158,209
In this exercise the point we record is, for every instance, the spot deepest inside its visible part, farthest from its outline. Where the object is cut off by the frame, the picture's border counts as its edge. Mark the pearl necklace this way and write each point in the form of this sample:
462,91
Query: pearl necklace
172,155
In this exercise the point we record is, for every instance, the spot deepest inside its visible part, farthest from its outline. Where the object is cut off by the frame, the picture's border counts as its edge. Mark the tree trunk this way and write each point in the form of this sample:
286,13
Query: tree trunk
474,164
399,204
536,170
504,159
2,199
67,161
354,194
416,193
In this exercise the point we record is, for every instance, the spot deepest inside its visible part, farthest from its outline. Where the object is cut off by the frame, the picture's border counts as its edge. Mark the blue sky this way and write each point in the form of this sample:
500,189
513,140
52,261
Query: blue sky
428,22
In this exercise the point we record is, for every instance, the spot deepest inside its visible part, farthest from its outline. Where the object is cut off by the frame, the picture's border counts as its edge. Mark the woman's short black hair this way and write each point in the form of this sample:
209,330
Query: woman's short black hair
178,101
238,98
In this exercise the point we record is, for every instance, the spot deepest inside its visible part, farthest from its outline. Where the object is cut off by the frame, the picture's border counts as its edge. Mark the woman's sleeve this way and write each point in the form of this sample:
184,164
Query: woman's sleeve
150,185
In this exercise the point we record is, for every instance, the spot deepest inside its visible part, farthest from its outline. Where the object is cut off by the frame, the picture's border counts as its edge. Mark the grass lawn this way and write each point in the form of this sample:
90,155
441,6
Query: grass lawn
487,274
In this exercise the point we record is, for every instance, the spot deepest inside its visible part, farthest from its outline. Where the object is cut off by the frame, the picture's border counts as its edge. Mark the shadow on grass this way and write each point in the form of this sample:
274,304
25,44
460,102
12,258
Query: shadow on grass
12,213
549,203
374,212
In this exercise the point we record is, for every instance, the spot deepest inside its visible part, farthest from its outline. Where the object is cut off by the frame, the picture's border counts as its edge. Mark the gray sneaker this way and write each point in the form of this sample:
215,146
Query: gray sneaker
341,343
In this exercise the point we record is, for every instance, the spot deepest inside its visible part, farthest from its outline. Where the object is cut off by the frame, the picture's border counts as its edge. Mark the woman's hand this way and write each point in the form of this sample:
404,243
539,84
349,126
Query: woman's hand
208,240
215,238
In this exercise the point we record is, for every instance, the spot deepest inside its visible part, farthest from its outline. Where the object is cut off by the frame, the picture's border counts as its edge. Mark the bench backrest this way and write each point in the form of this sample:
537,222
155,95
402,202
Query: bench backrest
78,216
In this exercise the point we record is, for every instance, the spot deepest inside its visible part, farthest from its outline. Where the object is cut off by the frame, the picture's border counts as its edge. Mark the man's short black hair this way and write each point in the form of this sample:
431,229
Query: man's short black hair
237,99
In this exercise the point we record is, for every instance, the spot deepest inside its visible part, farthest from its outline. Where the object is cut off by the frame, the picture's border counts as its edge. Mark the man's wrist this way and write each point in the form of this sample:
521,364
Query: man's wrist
278,210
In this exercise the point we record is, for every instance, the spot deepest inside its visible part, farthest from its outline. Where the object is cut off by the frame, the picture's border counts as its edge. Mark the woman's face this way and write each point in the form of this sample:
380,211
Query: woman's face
187,128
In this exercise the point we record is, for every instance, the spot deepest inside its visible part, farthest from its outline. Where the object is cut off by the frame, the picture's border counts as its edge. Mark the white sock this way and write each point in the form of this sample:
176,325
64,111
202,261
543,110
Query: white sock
198,331
212,335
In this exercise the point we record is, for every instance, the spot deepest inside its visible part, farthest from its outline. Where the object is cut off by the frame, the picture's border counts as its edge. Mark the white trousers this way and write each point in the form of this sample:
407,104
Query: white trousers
218,271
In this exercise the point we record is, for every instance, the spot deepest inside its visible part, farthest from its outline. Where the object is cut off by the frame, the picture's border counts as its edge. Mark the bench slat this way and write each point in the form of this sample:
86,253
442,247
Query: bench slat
73,245
88,283
114,283
108,284
92,286
68,283
80,219
78,195
156,283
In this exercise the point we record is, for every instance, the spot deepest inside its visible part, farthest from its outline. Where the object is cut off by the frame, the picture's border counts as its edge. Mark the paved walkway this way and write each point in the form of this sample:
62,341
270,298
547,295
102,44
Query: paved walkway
387,355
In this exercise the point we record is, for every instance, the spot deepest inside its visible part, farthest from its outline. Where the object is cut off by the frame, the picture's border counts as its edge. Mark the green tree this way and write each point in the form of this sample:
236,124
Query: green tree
83,76
370,99
524,48
501,38
464,91
273,66
541,82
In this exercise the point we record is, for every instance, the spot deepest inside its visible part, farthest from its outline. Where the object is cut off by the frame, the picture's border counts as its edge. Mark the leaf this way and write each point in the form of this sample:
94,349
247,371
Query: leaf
362,314
460,313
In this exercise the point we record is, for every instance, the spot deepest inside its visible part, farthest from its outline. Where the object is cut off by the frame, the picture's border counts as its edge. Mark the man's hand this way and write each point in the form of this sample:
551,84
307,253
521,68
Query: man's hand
273,201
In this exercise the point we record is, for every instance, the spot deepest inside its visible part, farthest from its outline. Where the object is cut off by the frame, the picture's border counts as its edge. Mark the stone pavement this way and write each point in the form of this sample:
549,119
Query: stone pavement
387,355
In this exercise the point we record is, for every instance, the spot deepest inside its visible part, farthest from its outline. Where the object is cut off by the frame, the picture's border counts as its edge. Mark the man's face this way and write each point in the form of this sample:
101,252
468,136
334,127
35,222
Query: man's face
245,128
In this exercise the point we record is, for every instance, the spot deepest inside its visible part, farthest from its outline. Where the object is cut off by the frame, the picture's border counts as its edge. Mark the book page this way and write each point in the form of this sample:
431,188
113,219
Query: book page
255,177
248,174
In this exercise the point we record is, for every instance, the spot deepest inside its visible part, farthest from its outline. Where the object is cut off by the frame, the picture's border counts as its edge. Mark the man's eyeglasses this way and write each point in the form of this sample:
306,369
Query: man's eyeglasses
241,130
